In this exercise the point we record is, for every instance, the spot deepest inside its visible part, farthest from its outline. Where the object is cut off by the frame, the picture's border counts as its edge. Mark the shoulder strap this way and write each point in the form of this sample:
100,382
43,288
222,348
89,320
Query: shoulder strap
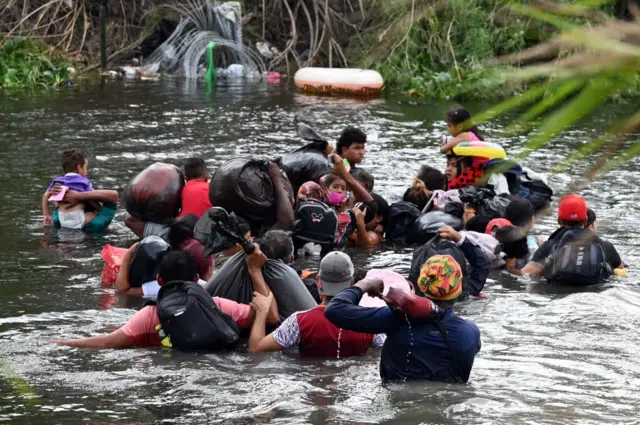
445,336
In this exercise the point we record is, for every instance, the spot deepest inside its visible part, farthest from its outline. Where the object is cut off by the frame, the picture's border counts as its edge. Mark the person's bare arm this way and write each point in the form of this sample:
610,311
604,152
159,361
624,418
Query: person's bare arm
104,196
123,285
453,143
46,214
255,261
358,190
135,225
532,269
283,206
116,340
363,238
258,342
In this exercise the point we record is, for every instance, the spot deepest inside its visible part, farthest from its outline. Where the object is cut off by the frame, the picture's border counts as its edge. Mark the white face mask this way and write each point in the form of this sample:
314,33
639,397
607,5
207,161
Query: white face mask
71,219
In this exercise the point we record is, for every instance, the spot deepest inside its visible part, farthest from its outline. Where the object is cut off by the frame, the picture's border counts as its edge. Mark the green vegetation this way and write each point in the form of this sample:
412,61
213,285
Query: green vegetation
601,62
444,49
26,63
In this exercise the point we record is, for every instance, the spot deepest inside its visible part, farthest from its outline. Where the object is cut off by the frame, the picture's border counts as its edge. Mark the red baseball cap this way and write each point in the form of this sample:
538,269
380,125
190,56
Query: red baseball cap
573,208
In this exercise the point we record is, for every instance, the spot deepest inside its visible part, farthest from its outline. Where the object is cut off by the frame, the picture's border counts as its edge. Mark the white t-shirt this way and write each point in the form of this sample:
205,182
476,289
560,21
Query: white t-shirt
150,289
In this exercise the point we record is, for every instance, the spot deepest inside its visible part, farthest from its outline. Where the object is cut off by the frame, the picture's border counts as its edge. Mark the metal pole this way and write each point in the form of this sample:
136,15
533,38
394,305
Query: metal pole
103,36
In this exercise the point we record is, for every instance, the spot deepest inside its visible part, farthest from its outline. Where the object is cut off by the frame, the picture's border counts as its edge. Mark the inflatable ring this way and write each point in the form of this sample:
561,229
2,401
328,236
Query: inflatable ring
480,149
350,81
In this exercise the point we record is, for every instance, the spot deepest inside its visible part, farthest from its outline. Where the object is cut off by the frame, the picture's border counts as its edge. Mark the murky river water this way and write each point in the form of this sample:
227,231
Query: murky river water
546,357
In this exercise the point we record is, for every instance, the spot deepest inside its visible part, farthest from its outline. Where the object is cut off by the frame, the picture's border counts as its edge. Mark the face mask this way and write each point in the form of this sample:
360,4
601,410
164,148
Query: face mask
335,199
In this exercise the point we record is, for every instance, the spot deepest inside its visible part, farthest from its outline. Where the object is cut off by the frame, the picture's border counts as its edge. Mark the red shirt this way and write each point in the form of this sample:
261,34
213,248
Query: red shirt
195,198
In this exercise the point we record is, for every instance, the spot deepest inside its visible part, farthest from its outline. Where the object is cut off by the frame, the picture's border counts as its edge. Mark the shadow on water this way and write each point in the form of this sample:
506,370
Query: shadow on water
548,356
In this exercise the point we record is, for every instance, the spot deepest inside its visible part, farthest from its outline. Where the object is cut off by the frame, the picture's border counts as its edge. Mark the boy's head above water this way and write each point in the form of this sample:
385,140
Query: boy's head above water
195,168
75,161
351,145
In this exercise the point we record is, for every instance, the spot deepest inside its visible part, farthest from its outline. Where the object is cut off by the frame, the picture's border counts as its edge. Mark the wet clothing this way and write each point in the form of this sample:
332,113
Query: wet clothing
73,181
317,337
195,198
156,229
141,328
479,266
98,225
544,252
414,349
470,177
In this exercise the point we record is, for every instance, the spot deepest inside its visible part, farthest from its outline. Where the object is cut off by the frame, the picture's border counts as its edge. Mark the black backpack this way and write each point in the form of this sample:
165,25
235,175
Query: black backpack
438,246
315,222
192,321
400,219
578,259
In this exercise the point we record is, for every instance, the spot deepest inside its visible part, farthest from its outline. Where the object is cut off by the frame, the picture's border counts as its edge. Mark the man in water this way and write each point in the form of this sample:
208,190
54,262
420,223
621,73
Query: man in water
141,329
309,330
437,348
572,217
350,145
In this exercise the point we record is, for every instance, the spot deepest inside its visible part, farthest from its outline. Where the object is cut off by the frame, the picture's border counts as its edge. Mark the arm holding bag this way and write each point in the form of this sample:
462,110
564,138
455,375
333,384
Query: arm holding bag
232,281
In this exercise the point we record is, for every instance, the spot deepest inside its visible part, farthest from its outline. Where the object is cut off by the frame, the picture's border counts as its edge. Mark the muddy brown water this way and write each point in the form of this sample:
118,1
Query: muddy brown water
547,357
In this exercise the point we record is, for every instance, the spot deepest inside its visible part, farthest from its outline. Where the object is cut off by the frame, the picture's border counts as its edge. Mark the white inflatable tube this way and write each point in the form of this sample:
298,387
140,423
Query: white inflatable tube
339,80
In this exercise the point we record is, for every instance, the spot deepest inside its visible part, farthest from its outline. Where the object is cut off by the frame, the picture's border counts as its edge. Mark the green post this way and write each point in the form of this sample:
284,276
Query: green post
211,66
103,36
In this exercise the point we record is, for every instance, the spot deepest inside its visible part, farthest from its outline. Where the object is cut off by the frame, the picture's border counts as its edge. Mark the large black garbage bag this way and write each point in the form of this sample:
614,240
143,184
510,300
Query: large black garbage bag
427,224
305,164
243,186
218,230
155,194
233,282
144,266
485,201
436,246
400,220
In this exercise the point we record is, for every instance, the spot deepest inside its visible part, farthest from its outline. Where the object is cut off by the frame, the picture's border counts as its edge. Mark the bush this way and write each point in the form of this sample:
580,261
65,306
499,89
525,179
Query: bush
26,63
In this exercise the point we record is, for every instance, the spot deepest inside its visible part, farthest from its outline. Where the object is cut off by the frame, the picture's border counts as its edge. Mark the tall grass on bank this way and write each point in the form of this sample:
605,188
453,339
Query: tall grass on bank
572,75
26,64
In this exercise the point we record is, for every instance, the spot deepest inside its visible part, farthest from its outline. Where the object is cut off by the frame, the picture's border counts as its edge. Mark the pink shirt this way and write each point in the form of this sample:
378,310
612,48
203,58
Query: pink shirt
141,328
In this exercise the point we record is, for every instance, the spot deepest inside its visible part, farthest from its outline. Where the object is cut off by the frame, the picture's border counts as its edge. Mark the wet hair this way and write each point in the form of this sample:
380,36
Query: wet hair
573,224
177,265
432,178
467,161
519,212
417,194
277,245
382,206
458,115
364,178
181,230
349,136
513,240
477,223
72,159
591,217
195,168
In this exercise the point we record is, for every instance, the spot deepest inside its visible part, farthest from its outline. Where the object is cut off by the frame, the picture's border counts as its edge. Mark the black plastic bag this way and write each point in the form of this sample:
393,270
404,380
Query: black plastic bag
155,193
400,220
243,186
218,230
485,201
305,164
427,224
144,266
233,282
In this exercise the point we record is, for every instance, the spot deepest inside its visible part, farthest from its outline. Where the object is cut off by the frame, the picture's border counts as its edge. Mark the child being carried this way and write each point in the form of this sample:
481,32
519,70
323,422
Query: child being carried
75,165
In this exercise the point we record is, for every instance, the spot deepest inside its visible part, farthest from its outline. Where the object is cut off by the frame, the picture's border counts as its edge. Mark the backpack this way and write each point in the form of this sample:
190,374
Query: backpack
577,261
400,220
192,321
438,246
315,222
